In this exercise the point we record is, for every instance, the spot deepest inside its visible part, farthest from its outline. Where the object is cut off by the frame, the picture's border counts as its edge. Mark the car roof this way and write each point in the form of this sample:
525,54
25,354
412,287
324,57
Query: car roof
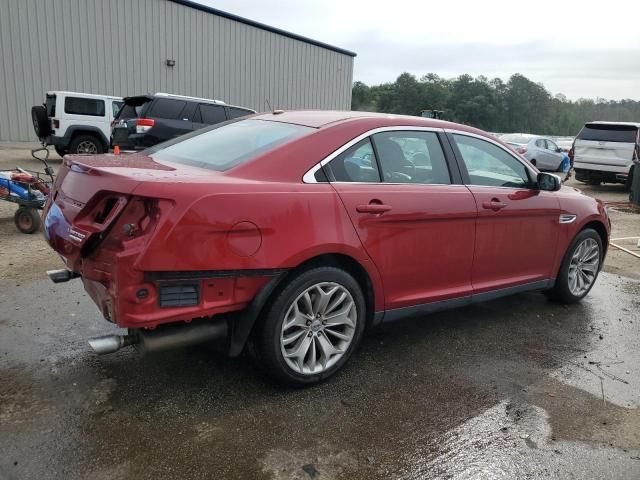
151,96
81,94
599,122
323,118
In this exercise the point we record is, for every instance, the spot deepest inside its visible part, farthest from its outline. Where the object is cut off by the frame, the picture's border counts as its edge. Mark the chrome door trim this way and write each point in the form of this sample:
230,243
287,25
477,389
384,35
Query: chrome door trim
309,177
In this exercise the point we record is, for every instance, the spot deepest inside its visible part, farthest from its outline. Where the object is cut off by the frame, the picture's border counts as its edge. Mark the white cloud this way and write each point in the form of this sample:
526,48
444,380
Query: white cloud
582,49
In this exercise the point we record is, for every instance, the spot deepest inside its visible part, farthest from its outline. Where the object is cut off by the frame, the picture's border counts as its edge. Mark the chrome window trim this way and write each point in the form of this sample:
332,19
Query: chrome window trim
309,177
533,173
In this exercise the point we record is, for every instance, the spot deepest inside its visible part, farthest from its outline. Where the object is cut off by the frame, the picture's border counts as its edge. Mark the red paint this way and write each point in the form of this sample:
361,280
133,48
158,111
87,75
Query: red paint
417,243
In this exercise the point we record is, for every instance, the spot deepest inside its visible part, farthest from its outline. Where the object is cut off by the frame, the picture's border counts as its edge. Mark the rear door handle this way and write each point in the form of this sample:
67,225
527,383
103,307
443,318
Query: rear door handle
373,208
495,205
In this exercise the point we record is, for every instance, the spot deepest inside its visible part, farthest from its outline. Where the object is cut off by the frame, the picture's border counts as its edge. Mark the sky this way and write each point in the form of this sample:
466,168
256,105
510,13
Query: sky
582,49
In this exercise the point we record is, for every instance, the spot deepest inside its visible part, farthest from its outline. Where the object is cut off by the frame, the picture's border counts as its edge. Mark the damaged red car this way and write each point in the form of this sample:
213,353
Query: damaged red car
292,233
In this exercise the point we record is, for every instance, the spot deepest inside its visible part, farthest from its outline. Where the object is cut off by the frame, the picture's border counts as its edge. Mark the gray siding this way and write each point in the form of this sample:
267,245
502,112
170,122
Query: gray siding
119,47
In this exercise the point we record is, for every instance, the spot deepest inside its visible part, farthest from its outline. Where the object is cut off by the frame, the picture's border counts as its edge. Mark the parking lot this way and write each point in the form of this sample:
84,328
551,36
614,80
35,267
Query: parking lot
513,388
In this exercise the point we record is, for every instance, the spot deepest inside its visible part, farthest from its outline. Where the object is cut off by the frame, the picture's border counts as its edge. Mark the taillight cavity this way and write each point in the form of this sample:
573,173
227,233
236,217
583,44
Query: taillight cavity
143,125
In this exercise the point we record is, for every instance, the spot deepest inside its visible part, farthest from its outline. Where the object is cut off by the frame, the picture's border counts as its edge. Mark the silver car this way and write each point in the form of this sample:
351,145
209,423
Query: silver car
540,151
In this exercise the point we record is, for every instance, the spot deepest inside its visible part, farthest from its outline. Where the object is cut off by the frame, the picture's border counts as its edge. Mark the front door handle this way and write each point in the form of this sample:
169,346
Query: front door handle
373,208
495,205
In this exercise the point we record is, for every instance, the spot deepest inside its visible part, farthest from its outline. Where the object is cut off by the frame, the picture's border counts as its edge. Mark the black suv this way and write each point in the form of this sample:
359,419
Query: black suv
146,120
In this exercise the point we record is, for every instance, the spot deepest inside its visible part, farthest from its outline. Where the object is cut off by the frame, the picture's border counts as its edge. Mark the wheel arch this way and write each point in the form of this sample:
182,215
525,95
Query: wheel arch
601,230
74,131
248,319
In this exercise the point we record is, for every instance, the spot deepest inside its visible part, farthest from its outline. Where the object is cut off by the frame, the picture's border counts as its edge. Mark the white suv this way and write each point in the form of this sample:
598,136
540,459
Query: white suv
76,122
605,152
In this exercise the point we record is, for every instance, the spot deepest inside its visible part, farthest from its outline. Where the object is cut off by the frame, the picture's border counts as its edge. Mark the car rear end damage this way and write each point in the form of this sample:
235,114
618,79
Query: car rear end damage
102,226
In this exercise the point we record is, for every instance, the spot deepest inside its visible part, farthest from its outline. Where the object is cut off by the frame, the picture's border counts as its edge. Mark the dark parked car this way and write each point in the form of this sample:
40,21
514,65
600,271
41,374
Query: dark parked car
294,232
145,120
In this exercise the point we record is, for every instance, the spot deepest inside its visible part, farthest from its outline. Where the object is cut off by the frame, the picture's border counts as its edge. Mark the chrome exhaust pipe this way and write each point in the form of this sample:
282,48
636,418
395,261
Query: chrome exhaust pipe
110,343
162,338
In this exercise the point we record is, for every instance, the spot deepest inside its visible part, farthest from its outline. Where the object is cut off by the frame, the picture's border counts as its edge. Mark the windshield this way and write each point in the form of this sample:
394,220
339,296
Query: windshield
609,133
228,144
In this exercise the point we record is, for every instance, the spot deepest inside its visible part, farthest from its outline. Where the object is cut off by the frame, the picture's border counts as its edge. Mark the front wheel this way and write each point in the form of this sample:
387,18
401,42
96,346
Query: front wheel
312,327
580,267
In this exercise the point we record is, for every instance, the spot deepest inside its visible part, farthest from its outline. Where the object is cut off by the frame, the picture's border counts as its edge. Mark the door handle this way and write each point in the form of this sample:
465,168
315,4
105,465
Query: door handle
495,205
373,208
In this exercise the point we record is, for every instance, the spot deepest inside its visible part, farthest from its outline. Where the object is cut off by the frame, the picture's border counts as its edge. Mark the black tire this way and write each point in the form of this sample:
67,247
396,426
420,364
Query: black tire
41,124
27,219
79,142
533,162
561,291
628,184
266,337
60,151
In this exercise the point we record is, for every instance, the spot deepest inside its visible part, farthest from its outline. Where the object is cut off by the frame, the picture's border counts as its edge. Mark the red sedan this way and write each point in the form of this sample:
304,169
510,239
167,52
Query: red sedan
294,232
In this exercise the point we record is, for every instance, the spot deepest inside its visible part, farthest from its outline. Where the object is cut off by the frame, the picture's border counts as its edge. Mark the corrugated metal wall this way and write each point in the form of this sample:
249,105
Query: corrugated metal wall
119,47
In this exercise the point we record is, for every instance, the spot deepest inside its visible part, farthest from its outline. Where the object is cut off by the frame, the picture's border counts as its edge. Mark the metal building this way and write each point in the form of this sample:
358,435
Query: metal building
127,47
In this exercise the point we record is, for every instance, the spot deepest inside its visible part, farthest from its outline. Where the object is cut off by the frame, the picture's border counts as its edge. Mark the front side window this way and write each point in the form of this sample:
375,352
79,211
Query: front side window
552,146
411,157
84,106
224,146
490,165
356,164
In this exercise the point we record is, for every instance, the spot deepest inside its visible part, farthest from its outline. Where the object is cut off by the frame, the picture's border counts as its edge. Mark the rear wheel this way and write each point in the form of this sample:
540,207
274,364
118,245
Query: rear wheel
86,145
580,267
312,327
27,219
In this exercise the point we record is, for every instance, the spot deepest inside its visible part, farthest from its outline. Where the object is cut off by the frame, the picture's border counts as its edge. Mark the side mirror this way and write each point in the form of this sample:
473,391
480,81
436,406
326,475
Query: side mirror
558,150
548,182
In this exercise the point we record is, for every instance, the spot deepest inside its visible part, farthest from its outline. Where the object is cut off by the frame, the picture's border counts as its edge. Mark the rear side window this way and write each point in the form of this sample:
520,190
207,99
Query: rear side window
211,114
238,112
227,145
609,133
411,157
84,106
356,164
167,108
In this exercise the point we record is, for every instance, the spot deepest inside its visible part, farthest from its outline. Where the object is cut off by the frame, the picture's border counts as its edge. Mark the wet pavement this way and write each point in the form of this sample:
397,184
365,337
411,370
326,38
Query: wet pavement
514,388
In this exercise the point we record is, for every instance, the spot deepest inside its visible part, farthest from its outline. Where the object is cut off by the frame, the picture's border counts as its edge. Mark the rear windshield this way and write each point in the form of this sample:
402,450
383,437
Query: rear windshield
609,133
226,145
132,107
513,138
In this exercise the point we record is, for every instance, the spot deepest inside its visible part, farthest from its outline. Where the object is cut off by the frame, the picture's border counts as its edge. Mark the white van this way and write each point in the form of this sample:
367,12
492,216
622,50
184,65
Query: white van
75,122
604,152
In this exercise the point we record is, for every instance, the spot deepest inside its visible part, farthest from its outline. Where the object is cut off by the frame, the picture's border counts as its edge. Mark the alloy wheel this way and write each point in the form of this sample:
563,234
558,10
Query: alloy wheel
583,268
318,328
87,147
